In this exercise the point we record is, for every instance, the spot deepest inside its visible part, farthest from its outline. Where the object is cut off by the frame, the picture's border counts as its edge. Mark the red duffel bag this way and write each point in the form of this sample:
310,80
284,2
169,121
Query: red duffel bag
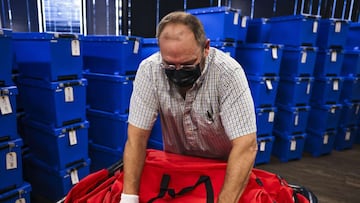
176,178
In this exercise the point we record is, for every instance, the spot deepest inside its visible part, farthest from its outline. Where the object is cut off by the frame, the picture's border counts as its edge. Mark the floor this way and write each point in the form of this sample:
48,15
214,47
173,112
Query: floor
334,178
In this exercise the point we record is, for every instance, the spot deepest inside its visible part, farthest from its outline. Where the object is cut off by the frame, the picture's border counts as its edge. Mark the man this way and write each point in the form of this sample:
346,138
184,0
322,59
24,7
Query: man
204,102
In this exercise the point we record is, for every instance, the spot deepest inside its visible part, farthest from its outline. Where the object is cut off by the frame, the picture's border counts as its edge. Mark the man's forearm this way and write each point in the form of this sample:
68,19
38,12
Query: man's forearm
134,157
240,163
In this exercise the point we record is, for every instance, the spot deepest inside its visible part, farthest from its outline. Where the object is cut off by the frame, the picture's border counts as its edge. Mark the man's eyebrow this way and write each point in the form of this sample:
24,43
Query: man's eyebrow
190,62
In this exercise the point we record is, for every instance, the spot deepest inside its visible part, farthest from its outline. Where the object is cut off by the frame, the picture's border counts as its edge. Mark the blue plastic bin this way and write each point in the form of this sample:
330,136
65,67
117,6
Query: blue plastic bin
265,146
6,57
329,62
288,146
103,157
353,39
324,117
222,23
349,113
332,32
258,30
107,129
11,173
326,90
291,119
227,47
265,120
149,47
8,125
298,61
294,91
350,89
351,63
109,93
320,142
259,59
48,56
18,195
294,30
52,184
119,55
263,90
55,103
345,137
57,147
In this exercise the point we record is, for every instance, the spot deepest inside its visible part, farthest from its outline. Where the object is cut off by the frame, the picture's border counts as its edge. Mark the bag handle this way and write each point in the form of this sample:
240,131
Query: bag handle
164,188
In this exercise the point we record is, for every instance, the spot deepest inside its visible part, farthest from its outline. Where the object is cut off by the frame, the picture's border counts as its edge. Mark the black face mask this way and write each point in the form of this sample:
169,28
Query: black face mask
184,77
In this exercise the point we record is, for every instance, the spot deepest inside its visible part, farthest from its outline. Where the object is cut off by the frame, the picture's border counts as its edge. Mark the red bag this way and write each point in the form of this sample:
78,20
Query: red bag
176,178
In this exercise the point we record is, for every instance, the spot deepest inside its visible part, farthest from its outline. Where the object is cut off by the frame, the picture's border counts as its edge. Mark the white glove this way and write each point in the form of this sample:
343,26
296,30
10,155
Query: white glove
127,198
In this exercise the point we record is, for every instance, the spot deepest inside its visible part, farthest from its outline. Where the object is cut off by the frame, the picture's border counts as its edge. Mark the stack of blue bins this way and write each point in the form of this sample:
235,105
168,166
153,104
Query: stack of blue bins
350,94
54,125
261,60
298,34
326,106
110,65
13,188
224,26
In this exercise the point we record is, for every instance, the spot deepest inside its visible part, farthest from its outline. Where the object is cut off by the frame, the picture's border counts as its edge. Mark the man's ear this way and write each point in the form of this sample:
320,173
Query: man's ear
207,47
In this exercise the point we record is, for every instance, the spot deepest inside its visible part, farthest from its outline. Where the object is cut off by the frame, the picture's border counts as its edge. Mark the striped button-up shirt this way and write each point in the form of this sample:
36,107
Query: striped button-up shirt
217,109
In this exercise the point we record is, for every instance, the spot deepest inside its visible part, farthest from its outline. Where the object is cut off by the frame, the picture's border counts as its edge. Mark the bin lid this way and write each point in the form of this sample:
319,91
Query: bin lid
11,144
52,85
104,114
49,129
44,36
294,17
321,133
108,77
150,41
263,78
111,38
296,79
5,32
222,44
217,9
260,46
301,48
293,108
9,90
266,109
258,21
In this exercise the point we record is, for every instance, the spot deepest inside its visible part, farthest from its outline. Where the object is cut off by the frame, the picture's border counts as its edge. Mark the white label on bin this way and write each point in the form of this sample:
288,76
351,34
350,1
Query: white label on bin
268,84
271,116
347,135
136,46
11,160
69,94
293,145
315,26
243,21
333,56
308,87
357,109
20,200
72,137
336,85
326,139
236,18
5,106
338,27
74,176
296,121
274,53
303,57
262,146
75,47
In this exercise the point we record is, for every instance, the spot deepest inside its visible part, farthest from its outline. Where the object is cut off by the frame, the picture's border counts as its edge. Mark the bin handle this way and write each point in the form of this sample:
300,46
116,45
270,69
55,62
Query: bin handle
65,35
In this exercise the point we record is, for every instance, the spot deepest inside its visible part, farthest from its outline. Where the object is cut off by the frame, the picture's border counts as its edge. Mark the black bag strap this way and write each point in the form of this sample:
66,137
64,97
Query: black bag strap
164,188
